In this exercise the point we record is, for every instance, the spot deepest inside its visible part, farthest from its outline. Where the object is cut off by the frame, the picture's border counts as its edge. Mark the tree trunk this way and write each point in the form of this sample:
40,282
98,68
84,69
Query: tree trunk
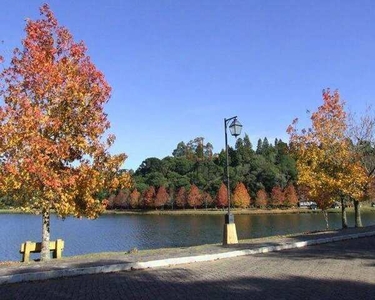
357,214
45,253
325,214
344,220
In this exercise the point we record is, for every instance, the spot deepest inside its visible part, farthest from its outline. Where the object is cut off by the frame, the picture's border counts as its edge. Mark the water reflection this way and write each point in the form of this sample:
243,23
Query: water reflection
124,232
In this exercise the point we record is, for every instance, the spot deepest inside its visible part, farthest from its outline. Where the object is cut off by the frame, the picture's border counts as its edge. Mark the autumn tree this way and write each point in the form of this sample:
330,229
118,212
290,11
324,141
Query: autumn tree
261,199
53,151
362,134
291,198
371,190
241,197
109,203
207,200
302,192
149,197
121,199
277,196
325,163
181,198
134,198
161,197
222,196
194,197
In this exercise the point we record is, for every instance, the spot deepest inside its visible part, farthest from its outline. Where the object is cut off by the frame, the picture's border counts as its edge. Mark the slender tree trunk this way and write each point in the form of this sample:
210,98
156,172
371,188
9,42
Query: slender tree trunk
45,253
344,220
357,214
325,214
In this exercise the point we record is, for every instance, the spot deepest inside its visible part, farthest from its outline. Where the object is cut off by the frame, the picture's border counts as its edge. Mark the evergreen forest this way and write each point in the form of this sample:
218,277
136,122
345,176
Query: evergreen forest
193,177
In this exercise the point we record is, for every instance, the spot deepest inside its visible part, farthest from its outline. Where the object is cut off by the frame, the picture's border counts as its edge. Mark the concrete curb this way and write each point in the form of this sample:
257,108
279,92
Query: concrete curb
44,275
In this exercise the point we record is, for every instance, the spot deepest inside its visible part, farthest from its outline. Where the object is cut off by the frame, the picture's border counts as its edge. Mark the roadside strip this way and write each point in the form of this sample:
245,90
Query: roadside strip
109,268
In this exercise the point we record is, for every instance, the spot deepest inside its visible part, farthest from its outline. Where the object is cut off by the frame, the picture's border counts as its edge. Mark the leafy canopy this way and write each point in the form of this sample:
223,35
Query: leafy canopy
325,163
53,153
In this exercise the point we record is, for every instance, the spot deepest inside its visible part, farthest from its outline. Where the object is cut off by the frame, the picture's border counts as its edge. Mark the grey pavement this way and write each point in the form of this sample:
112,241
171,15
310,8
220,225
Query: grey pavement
340,270
105,263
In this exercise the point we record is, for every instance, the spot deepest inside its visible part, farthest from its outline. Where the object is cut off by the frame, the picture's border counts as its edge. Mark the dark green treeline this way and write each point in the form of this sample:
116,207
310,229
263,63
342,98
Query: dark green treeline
267,166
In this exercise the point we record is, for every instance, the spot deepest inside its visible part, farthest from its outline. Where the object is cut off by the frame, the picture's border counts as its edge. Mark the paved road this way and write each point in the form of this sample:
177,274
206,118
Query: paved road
342,270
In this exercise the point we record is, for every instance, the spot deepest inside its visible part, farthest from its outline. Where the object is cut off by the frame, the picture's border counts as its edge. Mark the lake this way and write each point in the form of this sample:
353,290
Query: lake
125,232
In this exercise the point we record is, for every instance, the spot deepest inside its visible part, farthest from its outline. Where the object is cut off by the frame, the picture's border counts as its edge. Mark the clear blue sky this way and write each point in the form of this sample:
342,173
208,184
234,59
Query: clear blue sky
178,68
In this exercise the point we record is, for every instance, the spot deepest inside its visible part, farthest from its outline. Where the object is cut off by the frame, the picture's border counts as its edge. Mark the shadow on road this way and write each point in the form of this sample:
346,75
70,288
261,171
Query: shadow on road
160,285
351,249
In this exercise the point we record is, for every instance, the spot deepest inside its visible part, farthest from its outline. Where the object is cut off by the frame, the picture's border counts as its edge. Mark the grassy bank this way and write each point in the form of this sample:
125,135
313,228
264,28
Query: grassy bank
11,211
250,211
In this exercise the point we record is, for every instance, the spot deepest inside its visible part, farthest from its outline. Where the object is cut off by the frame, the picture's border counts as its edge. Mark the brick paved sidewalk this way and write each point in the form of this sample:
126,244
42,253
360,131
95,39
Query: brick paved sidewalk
122,261
343,270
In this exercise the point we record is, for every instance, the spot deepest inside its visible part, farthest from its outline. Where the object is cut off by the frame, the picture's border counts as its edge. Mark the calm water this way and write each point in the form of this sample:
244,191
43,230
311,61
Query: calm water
124,232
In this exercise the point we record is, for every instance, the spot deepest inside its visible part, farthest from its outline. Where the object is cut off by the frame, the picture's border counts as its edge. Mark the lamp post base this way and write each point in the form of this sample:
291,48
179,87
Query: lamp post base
230,234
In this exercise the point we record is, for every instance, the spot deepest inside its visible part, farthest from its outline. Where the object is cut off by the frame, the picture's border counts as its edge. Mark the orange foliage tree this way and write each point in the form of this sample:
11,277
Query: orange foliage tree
194,198
181,198
222,196
121,199
362,134
149,197
161,197
241,197
261,199
371,189
207,200
134,198
325,163
291,198
277,196
52,148
109,203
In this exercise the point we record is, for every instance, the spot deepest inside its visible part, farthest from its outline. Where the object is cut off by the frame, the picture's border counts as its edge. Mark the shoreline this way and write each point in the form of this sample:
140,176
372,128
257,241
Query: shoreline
134,254
140,253
250,211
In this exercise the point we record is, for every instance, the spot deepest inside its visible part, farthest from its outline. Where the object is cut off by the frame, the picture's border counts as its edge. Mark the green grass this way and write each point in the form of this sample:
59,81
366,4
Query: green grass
11,211
250,211
210,211
236,211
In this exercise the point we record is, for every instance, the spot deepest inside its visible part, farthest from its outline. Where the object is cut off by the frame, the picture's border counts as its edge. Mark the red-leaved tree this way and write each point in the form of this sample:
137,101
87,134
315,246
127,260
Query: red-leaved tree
161,197
261,199
277,196
291,198
241,197
207,200
134,198
121,199
194,198
181,198
149,197
110,201
222,196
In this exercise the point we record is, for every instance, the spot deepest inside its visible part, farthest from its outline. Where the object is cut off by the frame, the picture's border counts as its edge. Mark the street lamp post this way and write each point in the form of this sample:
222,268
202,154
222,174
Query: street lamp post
230,232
